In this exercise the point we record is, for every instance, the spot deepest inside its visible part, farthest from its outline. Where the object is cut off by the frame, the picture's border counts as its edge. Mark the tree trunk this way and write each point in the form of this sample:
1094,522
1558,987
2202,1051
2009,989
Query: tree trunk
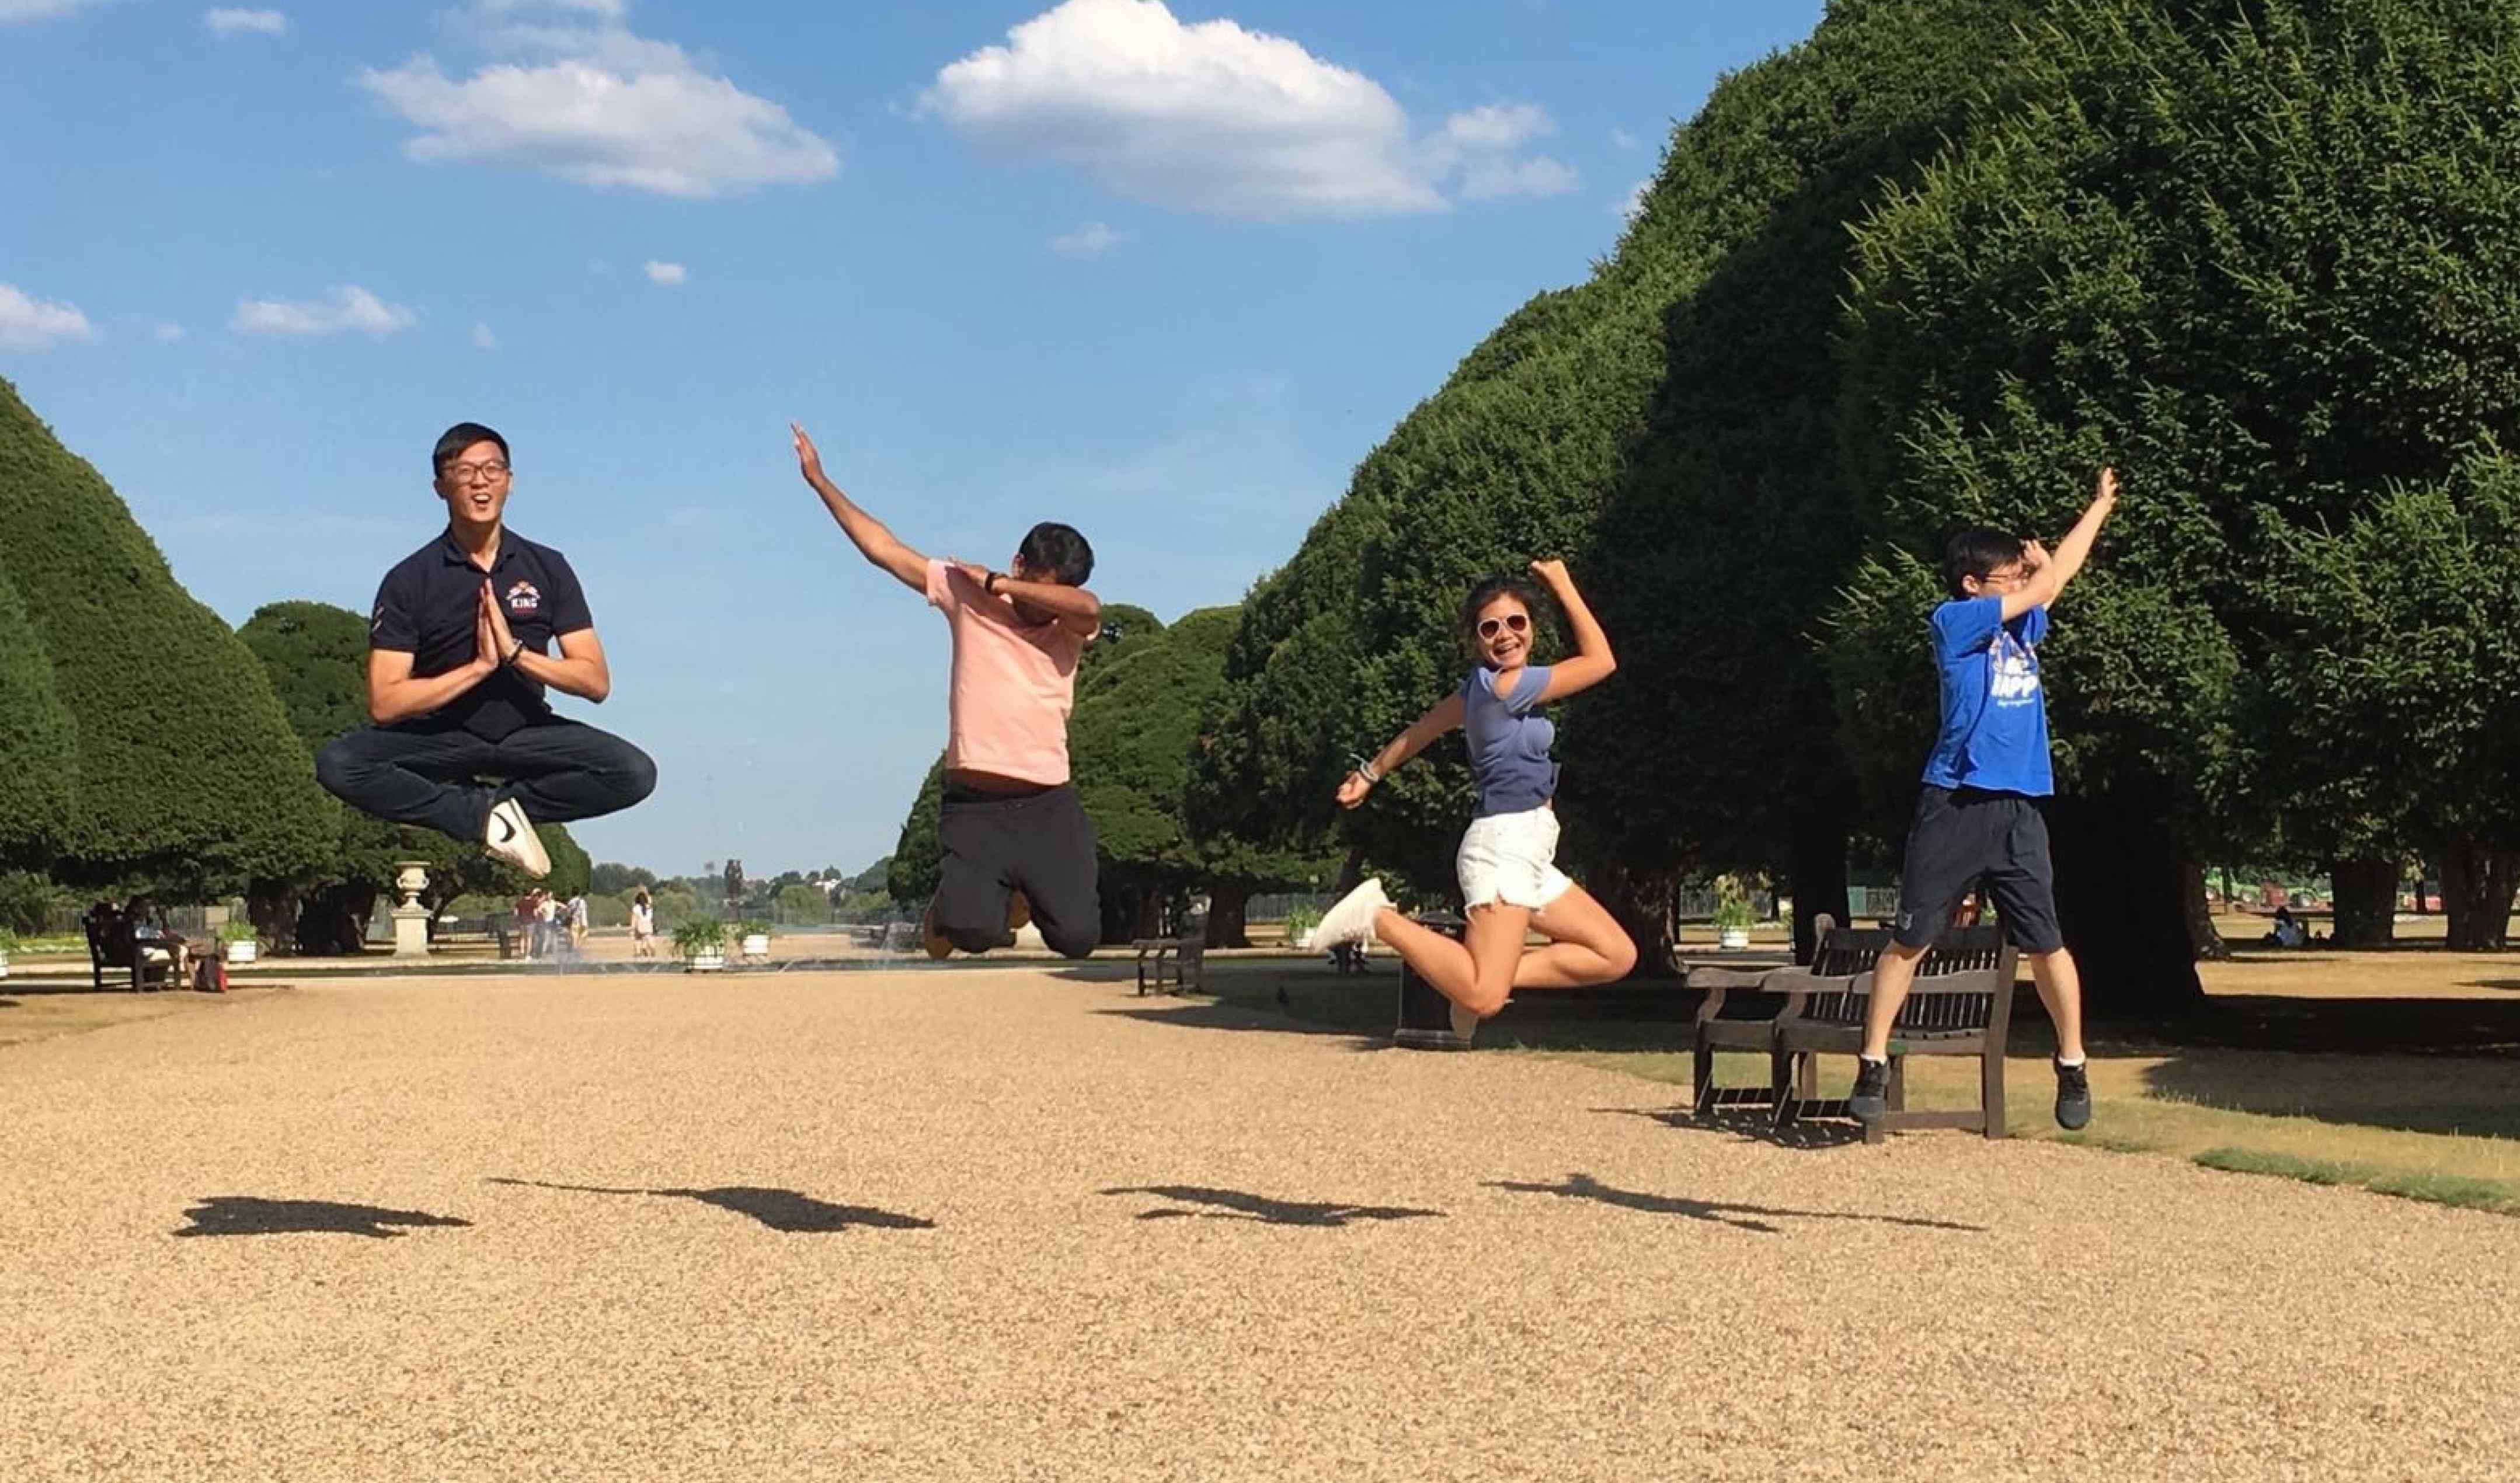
1228,911
2121,898
2202,938
2366,902
2476,883
1641,903
1819,875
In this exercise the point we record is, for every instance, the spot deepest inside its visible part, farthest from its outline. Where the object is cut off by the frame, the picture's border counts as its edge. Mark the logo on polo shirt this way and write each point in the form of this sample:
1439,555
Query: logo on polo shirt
377,620
523,597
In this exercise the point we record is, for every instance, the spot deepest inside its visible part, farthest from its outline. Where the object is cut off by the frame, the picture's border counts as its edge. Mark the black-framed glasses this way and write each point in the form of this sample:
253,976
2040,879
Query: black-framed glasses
490,469
1511,623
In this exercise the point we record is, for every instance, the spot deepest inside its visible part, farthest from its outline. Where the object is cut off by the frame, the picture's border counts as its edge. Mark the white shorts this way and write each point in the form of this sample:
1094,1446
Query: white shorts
1512,858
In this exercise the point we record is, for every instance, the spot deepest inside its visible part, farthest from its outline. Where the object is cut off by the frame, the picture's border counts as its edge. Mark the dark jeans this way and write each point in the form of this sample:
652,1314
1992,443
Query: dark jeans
558,770
1038,844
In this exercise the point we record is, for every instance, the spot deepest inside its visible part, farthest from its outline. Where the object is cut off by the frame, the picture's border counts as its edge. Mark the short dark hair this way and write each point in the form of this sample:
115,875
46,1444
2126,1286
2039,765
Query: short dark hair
453,440
1487,590
1975,552
1059,550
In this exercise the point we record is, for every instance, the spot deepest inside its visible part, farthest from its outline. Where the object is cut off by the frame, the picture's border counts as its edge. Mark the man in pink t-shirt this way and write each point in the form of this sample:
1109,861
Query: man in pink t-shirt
1010,826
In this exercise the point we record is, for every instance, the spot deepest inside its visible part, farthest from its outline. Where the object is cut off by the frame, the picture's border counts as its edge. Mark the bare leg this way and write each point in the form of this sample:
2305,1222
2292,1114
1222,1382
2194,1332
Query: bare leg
2060,989
1477,974
1587,945
1892,973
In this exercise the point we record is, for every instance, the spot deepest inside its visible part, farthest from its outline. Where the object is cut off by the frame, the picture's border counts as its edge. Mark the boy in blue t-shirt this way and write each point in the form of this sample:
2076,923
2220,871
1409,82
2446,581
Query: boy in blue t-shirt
1978,816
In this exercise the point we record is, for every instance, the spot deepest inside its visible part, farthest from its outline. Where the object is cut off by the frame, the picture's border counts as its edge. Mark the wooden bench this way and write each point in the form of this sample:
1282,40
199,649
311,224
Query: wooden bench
110,944
1961,1004
1840,954
1183,960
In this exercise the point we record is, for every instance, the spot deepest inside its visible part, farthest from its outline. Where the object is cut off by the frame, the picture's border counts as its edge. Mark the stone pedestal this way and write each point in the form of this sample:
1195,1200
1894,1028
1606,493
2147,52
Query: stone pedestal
411,919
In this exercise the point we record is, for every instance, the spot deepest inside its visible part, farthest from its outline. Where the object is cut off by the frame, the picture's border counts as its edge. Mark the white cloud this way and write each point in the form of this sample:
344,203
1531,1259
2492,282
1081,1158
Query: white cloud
1091,239
1207,116
38,10
167,335
1621,138
482,338
348,307
666,272
28,323
1632,206
228,23
588,101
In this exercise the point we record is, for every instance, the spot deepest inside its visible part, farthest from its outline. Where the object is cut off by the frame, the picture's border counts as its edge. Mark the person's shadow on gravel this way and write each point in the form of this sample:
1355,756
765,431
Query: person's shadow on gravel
1236,1205
1743,1217
250,1215
779,1209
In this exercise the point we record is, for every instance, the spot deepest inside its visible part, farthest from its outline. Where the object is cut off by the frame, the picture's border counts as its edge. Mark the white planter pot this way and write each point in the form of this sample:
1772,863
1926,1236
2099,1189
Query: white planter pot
240,952
4,964
1733,937
705,961
756,947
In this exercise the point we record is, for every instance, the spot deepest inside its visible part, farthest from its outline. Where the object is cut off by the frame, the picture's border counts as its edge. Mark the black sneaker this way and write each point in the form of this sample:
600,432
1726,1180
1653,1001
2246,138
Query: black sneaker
1870,1101
2073,1096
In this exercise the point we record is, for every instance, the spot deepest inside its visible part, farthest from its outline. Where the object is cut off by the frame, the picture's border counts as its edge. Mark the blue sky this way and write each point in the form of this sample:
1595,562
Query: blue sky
1166,274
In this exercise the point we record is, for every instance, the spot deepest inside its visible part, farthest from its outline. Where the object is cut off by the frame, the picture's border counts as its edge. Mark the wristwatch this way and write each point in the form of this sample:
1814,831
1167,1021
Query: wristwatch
513,652
990,585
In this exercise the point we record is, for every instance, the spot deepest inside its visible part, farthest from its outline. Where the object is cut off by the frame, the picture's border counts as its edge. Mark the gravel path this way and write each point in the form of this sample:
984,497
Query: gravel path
1009,1224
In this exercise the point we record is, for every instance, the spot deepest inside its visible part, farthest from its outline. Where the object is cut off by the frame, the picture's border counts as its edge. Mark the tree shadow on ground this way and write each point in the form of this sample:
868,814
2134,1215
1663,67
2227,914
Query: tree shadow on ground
1236,1205
783,1210
1751,1127
252,1215
2341,1026
1585,1186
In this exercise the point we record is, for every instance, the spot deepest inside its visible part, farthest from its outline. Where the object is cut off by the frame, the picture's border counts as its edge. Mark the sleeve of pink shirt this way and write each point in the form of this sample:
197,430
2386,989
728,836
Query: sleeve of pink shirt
940,586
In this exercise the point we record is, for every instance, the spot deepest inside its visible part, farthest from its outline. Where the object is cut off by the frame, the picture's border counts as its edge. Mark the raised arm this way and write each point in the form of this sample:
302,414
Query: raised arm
2050,573
1593,661
1076,610
1440,718
877,544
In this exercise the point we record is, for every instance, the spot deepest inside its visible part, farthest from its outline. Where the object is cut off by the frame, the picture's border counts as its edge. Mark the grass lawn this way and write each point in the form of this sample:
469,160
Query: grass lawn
2397,1071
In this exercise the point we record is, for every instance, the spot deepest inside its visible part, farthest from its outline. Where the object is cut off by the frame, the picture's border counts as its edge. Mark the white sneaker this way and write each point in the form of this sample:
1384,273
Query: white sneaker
1350,918
509,836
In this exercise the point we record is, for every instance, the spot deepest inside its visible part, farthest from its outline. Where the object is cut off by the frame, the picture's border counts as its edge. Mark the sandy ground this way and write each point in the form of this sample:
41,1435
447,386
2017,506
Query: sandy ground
1018,1225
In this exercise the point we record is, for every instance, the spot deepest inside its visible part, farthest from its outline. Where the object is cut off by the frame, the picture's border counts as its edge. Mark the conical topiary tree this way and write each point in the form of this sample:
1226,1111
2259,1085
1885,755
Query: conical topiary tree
39,744
189,779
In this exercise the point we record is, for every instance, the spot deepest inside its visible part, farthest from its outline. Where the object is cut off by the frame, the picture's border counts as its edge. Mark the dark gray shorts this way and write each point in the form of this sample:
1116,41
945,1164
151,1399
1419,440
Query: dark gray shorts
1961,837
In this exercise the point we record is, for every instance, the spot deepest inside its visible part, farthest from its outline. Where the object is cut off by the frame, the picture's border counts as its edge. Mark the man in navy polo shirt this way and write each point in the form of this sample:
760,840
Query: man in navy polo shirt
459,653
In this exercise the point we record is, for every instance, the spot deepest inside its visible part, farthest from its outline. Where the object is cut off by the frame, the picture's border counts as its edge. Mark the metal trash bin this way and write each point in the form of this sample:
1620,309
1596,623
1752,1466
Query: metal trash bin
1425,1014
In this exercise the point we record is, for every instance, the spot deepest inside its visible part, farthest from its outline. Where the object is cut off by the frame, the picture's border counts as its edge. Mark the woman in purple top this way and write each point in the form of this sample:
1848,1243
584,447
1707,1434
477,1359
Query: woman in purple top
1508,864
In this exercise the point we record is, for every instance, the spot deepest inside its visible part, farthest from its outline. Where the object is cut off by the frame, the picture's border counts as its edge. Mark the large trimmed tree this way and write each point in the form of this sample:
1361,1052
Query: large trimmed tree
39,744
2261,257
188,781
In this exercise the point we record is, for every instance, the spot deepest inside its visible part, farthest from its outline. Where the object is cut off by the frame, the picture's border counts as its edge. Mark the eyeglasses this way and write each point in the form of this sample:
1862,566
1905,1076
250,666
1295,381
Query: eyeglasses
1513,622
465,473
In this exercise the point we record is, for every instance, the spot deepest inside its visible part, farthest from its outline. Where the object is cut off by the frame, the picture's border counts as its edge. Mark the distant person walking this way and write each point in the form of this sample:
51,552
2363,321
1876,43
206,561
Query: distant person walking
643,926
1017,841
1978,817
1508,860
458,660
577,925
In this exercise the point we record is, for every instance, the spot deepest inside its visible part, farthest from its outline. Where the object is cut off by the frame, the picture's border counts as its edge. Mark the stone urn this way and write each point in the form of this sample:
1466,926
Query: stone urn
411,919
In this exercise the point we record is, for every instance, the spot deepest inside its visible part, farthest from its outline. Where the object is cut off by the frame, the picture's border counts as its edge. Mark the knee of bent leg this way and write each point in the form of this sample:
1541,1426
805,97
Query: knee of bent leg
1072,941
638,775
336,766
1619,955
